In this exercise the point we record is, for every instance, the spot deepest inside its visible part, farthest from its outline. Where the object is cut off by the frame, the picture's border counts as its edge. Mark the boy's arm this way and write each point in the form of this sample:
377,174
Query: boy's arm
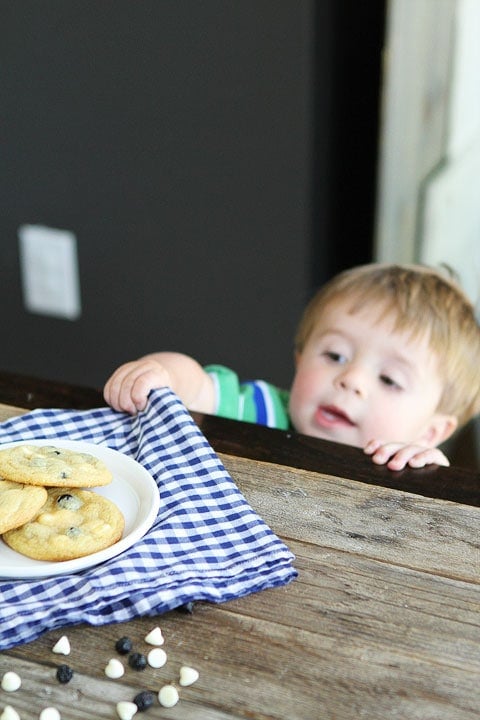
397,456
128,387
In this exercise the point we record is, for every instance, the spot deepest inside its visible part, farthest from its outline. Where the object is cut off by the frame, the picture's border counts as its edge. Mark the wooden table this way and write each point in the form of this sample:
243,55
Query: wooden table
383,621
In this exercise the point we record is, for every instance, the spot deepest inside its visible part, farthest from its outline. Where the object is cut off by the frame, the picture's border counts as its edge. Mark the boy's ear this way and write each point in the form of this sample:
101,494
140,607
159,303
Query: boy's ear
440,428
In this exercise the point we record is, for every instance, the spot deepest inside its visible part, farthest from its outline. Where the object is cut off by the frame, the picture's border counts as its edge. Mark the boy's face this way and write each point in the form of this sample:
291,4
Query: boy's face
358,379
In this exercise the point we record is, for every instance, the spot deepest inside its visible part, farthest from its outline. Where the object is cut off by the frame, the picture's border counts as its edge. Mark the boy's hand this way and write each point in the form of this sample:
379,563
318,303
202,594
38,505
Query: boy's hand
128,388
397,456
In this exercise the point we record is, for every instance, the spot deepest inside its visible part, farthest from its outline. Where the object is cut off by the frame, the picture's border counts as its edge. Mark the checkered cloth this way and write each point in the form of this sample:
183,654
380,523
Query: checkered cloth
205,544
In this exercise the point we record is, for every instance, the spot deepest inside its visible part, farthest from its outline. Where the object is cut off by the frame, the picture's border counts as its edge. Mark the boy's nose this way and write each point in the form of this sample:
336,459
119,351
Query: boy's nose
352,380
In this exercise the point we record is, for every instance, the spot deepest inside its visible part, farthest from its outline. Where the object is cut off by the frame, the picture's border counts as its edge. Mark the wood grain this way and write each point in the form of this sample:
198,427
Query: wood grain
383,621
352,637
409,530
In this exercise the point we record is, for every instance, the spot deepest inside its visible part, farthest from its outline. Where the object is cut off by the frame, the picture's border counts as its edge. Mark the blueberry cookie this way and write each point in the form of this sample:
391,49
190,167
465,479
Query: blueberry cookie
52,466
72,523
19,503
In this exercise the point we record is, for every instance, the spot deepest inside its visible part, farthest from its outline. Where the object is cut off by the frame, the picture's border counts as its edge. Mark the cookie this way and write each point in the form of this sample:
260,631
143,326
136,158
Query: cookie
72,523
52,466
19,503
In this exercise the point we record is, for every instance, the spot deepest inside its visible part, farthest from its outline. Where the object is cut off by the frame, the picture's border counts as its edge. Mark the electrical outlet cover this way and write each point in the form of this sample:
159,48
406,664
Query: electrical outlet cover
49,267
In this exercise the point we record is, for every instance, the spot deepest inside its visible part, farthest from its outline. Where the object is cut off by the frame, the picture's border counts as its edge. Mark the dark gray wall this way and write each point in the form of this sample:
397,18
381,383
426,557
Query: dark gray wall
188,146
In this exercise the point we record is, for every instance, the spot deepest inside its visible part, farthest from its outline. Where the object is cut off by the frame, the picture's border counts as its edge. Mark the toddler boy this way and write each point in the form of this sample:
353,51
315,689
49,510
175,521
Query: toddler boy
387,358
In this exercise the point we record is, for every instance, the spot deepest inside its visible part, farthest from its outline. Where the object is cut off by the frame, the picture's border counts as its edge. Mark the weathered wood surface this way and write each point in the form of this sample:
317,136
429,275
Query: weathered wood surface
7,412
350,638
408,530
382,622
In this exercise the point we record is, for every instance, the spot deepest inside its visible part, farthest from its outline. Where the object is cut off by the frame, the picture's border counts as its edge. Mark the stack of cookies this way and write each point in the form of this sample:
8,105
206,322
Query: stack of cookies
44,512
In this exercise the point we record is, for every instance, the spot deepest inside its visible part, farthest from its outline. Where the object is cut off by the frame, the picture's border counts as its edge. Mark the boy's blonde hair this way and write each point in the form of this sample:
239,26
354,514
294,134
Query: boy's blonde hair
423,301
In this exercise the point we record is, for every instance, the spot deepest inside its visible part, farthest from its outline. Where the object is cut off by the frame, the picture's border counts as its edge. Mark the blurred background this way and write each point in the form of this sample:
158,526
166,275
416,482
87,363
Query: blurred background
214,160
184,175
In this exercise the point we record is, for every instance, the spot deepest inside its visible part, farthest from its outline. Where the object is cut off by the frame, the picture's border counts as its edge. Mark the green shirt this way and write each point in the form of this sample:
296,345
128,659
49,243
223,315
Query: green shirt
253,401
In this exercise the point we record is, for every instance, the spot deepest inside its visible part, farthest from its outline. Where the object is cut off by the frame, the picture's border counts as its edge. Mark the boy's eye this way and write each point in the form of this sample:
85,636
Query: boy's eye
335,357
387,380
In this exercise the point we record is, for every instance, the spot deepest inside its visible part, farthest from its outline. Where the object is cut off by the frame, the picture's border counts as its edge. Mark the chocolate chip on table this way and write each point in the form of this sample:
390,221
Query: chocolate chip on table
9,713
62,646
157,657
168,696
126,710
143,700
188,676
11,681
49,713
155,637
114,669
123,645
64,674
137,661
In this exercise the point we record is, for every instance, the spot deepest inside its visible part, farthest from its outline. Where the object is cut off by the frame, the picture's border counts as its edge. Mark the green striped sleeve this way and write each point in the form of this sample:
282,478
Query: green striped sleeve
238,401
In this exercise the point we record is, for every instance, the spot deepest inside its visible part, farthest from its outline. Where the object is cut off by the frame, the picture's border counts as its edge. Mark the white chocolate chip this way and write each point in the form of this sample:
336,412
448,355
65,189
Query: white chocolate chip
50,713
126,710
157,657
9,713
114,669
155,637
188,676
168,696
11,681
62,646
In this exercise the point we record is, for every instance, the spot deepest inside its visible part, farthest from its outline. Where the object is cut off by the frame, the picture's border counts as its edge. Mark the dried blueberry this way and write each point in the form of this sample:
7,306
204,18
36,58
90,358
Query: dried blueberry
143,700
64,674
69,502
123,645
73,532
65,498
137,661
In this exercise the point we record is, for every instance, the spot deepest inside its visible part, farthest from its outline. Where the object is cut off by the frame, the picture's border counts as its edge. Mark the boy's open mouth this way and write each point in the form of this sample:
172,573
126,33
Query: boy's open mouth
329,416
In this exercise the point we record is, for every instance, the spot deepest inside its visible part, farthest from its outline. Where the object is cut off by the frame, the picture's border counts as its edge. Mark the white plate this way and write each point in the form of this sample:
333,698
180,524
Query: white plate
132,489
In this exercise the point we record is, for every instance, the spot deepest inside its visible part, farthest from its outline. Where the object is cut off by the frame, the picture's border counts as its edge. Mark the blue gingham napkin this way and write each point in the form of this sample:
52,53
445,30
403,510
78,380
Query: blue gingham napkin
205,544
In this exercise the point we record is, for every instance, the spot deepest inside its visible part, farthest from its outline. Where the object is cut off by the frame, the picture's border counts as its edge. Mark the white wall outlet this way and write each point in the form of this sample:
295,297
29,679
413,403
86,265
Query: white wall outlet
49,268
